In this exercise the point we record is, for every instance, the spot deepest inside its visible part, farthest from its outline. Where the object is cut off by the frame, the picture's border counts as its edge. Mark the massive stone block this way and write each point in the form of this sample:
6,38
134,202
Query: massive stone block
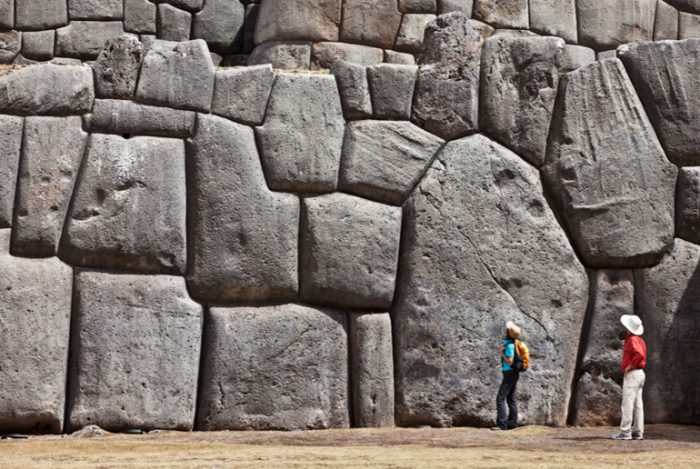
692,6
52,150
177,74
411,32
10,45
665,76
554,18
301,139
10,144
139,16
38,45
325,54
47,89
118,116
688,205
242,238
384,161
354,89
117,68
372,364
31,15
667,298
135,348
7,14
35,310
503,13
519,80
174,24
95,9
220,23
391,87
242,93
84,39
480,246
274,368
282,55
605,24
666,23
298,20
370,22
349,251
607,171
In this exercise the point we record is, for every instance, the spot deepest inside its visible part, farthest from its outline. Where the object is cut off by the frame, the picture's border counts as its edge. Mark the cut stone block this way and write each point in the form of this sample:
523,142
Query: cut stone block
242,238
38,45
688,205
220,23
251,19
391,87
479,245
242,93
400,58
117,68
418,6
666,23
7,14
135,348
503,13
274,368
302,137
692,6
464,7
606,24
410,36
84,39
372,370
95,9
349,251
298,20
118,116
354,89
10,45
177,74
611,181
129,208
140,16
325,54
511,33
35,312
370,22
65,61
554,18
10,145
173,24
384,161
576,57
33,15
189,5
519,80
282,56
688,26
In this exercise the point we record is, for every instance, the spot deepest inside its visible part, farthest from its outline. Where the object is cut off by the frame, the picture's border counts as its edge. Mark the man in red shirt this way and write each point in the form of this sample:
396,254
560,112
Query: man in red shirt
634,358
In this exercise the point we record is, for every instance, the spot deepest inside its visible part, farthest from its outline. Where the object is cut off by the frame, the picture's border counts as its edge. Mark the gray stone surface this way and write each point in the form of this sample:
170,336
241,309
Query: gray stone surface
400,58
282,56
666,79
38,45
220,23
35,311
349,252
242,238
503,13
135,348
251,19
481,246
372,365
118,116
554,18
370,22
65,61
667,299
688,204
52,150
84,39
274,368
510,33
95,9
10,145
242,93
519,80
10,45
129,207
605,55
462,6
446,99
598,393
605,24
607,171
692,6
177,74
688,26
325,54
354,89
298,20
140,16
117,68
31,15
418,6
391,87
410,36
384,161
666,23
576,57
173,24
189,5
302,137
7,14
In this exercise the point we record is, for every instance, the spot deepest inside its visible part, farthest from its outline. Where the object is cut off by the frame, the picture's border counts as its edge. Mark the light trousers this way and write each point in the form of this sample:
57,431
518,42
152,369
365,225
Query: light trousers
632,405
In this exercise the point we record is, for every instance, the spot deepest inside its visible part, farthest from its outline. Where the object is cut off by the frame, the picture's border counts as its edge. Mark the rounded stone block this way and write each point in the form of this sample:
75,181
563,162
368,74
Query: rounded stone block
220,23
298,20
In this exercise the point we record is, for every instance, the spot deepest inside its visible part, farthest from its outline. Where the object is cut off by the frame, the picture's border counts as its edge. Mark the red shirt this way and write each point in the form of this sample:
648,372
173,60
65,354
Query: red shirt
635,354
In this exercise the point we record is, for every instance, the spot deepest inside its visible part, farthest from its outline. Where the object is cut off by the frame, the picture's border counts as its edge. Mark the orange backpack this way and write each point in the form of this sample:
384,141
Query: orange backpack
521,360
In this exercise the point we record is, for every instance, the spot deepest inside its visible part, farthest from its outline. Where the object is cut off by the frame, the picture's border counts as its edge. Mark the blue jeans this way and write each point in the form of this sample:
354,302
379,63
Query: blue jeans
506,393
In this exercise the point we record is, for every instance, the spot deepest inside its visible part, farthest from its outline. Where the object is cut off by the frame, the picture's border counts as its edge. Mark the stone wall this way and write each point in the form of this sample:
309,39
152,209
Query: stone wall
190,246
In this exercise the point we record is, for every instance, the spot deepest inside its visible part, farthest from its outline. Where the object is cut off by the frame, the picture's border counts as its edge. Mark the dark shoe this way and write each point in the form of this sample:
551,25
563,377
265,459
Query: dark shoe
620,436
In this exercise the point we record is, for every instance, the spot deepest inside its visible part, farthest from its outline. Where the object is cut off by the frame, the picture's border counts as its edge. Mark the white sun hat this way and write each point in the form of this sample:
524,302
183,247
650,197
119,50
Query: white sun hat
633,323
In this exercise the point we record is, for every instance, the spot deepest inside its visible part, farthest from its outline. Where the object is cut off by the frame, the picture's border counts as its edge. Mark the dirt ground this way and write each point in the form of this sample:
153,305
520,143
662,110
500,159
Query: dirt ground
527,447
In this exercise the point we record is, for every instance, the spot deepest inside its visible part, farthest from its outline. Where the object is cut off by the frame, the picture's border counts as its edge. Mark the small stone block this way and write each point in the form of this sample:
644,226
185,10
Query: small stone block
242,93
391,87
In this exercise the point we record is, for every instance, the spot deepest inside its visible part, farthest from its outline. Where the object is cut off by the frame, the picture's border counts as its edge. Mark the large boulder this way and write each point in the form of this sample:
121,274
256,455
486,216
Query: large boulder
503,13
220,23
274,368
480,246
11,143
119,116
135,348
242,93
370,22
554,18
606,24
35,315
31,15
607,171
242,238
117,68
688,204
298,20
84,39
665,75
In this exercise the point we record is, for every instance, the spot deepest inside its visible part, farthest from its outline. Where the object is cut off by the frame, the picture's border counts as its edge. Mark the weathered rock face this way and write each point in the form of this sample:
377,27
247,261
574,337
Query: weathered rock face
372,368
47,89
688,26
666,23
667,298
418,6
35,310
273,368
52,151
10,45
129,210
391,87
220,23
84,39
189,5
298,20
554,18
242,94
503,13
607,171
354,89
139,16
325,54
688,205
576,57
665,76
384,161
605,24
117,68
480,246
251,19
118,116
301,139
95,9
462,6
7,14
410,36
370,22
135,351
31,15
174,24
692,6
349,252
38,45
10,142
282,55
242,238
